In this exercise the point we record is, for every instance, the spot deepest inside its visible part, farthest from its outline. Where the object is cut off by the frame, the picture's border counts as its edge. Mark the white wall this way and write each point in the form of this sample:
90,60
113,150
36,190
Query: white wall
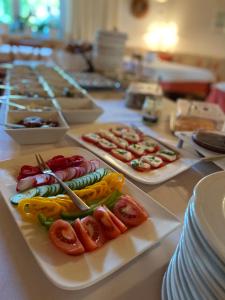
194,19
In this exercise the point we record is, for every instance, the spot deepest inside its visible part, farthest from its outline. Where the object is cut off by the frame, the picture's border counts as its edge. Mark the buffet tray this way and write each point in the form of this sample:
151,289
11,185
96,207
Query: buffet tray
185,161
76,273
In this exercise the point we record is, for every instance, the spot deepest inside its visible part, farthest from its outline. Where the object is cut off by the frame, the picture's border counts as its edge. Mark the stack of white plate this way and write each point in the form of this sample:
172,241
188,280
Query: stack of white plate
197,268
108,50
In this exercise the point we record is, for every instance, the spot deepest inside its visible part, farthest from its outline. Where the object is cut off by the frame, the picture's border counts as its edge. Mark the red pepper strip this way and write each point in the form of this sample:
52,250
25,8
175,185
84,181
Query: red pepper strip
59,162
26,171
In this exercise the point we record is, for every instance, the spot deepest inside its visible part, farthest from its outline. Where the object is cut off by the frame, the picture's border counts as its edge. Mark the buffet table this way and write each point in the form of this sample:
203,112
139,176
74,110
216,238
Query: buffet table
20,276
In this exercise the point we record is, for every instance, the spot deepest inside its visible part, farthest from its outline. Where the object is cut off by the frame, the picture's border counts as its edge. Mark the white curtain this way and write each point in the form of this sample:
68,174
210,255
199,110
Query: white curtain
84,17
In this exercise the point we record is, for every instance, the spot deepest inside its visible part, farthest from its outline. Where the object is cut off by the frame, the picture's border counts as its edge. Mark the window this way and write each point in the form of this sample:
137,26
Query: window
6,11
35,17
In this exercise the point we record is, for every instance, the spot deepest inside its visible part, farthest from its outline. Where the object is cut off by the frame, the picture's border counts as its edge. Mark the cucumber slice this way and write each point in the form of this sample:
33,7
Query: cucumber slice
55,189
52,189
71,185
15,199
43,190
87,180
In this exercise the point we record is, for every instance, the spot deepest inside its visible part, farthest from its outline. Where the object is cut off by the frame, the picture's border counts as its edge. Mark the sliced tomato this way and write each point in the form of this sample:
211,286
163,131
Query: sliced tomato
111,231
94,230
139,165
122,154
131,136
129,212
84,236
136,149
133,201
63,236
106,145
122,227
118,131
121,143
91,137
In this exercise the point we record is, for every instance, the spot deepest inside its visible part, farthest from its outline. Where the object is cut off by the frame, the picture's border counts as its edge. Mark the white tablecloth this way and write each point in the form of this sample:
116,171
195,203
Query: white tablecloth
21,277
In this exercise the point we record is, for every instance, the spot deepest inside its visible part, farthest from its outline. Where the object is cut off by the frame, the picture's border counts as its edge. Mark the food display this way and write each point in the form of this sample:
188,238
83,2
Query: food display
94,81
40,199
34,121
59,85
192,123
39,104
25,82
140,152
194,115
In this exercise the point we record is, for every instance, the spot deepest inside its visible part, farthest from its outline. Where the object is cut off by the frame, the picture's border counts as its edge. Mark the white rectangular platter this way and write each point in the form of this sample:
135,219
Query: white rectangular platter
156,176
75,273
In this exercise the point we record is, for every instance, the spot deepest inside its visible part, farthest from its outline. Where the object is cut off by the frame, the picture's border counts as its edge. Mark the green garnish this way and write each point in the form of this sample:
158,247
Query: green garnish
168,152
135,163
121,151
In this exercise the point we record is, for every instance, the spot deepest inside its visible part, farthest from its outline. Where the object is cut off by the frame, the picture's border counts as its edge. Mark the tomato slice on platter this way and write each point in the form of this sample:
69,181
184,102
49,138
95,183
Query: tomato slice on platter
134,202
84,236
122,227
111,231
122,154
129,211
91,137
140,165
94,230
63,236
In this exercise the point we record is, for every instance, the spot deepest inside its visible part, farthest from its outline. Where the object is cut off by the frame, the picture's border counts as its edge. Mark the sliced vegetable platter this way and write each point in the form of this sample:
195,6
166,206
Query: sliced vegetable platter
183,161
79,272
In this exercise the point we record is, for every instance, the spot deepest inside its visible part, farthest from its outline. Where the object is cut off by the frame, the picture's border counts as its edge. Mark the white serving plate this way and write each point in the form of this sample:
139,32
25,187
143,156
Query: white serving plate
37,135
206,264
156,176
75,273
39,104
79,110
209,204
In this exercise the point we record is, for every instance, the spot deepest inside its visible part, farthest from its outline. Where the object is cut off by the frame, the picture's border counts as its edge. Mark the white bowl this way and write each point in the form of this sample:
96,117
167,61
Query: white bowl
80,110
39,103
27,136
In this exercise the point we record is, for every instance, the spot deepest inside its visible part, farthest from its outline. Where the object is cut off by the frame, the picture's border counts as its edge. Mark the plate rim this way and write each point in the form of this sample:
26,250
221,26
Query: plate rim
205,226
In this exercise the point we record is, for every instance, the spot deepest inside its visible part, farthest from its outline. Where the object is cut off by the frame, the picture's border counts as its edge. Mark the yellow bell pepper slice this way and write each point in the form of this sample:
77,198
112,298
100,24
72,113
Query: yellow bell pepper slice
30,208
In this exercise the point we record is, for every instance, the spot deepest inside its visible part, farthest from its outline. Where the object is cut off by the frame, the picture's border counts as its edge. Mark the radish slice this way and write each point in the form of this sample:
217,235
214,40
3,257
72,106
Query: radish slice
25,183
77,172
41,179
82,171
66,174
92,166
51,180
87,165
61,174
71,173
96,162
